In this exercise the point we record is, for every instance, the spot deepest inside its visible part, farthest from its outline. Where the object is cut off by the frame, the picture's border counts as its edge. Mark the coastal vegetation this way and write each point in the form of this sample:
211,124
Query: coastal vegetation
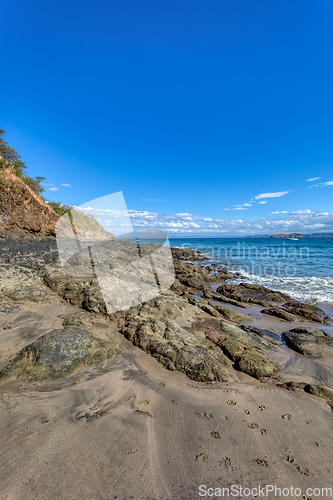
9,158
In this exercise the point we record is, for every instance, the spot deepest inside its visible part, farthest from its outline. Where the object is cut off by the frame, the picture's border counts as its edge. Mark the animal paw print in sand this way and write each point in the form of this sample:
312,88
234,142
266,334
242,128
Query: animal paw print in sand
215,435
298,468
201,457
286,416
253,425
247,412
230,402
205,414
261,462
226,464
262,407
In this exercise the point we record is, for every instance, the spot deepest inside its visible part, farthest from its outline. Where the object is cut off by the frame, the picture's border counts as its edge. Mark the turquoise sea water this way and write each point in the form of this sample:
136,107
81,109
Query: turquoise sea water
303,268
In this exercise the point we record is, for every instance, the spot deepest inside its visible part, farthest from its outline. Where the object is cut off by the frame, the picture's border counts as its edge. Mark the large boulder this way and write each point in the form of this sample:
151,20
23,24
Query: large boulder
160,327
58,353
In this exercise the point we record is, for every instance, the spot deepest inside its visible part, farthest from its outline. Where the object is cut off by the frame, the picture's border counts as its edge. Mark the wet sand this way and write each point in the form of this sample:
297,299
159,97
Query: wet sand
137,430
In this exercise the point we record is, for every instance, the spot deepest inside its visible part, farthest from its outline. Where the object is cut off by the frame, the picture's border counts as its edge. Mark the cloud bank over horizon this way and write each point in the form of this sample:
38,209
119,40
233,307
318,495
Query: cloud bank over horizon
187,224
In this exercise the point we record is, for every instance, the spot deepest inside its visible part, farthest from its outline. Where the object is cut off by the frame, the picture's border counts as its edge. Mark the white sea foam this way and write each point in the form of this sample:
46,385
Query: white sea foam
301,288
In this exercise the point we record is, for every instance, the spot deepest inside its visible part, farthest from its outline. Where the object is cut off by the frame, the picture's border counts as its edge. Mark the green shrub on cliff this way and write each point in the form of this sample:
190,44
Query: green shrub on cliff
9,158
59,208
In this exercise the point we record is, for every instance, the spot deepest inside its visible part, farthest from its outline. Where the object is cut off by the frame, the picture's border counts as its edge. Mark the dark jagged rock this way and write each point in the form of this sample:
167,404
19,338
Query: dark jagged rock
187,254
307,311
195,283
84,292
227,300
278,313
254,294
232,315
302,338
263,333
57,353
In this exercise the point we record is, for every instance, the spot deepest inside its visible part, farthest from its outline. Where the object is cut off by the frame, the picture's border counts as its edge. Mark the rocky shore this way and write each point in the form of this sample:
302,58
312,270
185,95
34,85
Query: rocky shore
195,327
205,331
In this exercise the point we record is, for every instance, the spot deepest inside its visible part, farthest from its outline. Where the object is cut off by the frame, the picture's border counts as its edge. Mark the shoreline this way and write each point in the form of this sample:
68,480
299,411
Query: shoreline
237,407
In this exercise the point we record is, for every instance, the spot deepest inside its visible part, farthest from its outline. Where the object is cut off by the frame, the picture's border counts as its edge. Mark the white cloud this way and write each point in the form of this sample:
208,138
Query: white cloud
271,195
247,205
236,208
66,185
322,184
313,179
53,189
262,202
304,221
301,212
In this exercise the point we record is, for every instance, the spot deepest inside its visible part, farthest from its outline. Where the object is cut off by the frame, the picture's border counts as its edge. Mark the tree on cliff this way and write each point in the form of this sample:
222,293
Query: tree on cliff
9,158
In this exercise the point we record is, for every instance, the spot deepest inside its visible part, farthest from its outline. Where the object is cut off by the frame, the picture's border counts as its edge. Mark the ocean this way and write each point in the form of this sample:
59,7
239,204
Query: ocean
303,268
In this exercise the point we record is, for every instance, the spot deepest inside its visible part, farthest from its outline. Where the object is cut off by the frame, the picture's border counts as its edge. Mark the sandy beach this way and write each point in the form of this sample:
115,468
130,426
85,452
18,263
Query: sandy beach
137,430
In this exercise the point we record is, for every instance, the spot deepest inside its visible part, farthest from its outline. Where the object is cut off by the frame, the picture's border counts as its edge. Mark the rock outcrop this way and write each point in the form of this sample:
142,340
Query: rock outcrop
22,209
301,339
58,353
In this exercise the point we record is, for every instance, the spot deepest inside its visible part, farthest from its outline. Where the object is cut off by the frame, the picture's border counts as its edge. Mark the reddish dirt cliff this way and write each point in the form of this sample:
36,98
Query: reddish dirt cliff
21,208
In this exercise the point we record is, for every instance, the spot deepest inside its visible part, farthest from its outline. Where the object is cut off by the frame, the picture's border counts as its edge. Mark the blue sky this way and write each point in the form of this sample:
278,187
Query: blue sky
188,107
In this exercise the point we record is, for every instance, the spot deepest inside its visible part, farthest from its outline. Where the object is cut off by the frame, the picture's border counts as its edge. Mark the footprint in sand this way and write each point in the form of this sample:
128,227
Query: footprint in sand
253,425
215,435
247,412
298,468
207,415
129,450
162,384
261,462
201,457
230,402
286,416
226,464
262,407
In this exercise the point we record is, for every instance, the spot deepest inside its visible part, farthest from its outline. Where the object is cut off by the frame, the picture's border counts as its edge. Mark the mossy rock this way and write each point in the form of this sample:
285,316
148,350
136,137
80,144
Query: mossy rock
232,315
255,365
232,348
58,353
